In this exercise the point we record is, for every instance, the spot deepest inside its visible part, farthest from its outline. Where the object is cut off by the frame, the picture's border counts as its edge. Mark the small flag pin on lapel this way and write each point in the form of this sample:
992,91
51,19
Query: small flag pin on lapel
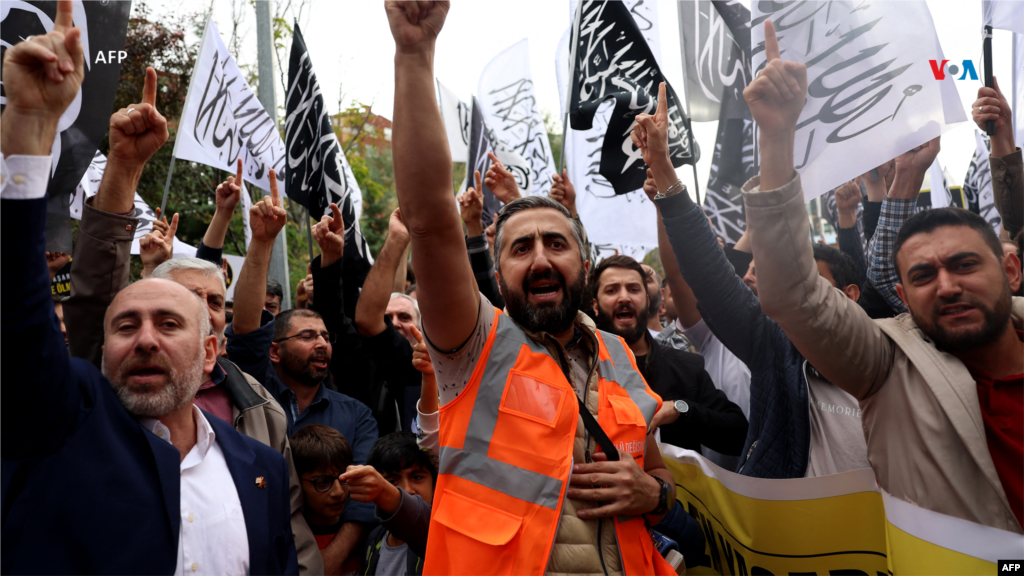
261,482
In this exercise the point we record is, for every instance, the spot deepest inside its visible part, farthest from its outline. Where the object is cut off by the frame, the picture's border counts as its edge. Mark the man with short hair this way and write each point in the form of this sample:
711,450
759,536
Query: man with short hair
130,439
695,413
274,297
293,354
653,281
941,386
511,434
404,312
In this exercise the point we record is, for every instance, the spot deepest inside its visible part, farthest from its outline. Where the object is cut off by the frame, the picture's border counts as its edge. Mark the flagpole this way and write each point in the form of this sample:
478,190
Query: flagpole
167,185
986,48
573,41
309,235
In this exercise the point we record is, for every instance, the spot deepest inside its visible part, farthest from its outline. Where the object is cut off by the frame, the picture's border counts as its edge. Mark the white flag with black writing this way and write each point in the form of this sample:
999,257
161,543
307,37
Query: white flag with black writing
871,94
510,108
318,173
615,223
456,116
222,120
977,187
483,139
613,61
90,185
938,187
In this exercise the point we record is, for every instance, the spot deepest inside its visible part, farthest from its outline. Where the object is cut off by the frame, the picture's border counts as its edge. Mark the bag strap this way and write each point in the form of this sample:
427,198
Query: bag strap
590,423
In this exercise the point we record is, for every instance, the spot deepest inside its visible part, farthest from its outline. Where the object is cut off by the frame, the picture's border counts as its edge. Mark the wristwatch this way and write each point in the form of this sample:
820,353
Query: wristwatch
663,497
681,406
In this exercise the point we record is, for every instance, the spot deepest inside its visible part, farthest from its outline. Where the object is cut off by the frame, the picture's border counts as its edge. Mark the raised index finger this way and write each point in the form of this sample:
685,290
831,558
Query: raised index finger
149,88
771,42
238,172
274,197
65,17
662,111
416,333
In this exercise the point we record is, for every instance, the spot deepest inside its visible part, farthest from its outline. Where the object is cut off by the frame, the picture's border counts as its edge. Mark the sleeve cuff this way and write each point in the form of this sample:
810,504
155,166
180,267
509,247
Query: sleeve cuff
24,177
108,225
675,205
1012,159
754,197
476,244
427,422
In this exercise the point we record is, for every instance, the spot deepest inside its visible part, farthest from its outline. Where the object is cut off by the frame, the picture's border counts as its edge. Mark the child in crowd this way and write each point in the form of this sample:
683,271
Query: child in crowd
321,454
399,479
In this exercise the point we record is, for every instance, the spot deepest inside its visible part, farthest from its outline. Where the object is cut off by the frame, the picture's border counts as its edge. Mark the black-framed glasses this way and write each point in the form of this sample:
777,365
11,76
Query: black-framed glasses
311,335
323,483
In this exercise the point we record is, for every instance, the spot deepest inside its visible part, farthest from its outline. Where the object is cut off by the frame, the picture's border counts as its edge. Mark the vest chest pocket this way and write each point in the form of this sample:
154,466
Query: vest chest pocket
626,412
478,538
532,399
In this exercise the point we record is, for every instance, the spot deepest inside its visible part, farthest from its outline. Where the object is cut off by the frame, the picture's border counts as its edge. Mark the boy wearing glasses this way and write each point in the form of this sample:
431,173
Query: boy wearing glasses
321,454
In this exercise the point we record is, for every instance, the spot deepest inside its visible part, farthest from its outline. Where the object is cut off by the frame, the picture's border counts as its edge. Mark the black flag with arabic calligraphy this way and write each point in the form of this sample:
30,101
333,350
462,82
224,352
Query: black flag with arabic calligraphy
84,124
613,61
318,173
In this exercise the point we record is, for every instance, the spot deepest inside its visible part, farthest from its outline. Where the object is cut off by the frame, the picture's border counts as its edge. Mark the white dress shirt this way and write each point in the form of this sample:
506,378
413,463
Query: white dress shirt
213,539
24,177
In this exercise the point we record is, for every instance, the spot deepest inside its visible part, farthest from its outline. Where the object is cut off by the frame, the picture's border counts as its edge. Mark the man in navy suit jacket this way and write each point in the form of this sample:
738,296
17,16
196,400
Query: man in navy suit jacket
114,473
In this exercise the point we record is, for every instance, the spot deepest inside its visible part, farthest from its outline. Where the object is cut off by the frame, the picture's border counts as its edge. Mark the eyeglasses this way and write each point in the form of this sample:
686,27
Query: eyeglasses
323,483
311,335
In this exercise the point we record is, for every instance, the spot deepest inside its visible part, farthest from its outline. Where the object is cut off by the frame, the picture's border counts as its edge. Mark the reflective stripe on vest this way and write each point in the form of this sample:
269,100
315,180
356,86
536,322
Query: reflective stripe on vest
628,378
471,462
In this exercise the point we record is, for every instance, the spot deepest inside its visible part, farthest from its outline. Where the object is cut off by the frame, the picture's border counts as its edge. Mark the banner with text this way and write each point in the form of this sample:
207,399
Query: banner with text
871,93
456,115
839,524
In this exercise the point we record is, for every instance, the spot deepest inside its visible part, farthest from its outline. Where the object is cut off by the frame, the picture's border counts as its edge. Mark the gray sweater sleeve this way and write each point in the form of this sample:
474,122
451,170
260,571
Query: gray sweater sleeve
410,523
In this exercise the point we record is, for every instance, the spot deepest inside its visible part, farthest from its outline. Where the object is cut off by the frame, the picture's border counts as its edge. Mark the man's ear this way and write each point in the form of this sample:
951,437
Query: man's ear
275,352
902,294
586,271
1012,268
853,292
210,346
497,278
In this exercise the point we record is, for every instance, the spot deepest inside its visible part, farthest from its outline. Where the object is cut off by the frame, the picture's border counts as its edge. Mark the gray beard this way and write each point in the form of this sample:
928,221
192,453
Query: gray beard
156,403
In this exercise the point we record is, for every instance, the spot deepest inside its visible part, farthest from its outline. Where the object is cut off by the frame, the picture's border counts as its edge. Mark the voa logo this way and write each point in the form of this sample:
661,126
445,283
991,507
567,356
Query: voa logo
939,70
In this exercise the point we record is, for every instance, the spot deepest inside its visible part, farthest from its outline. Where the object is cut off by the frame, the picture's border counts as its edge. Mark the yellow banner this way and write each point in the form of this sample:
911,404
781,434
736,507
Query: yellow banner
834,525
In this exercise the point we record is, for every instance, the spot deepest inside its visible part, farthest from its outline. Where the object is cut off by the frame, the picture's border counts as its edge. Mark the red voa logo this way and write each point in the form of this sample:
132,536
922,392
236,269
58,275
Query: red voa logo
939,70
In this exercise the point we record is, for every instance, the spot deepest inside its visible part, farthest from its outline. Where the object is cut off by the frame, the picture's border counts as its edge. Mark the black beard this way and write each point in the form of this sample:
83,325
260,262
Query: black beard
301,370
549,317
606,322
995,322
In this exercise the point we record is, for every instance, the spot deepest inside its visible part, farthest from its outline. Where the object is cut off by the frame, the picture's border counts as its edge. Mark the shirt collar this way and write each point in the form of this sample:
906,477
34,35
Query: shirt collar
205,436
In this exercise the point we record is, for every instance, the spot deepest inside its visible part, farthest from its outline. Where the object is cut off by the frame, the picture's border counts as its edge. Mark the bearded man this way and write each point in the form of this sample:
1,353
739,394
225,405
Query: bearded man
528,397
695,412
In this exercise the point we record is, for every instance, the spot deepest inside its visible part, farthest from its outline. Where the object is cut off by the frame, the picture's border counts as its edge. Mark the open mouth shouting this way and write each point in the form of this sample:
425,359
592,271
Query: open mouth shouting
319,363
625,315
544,290
957,311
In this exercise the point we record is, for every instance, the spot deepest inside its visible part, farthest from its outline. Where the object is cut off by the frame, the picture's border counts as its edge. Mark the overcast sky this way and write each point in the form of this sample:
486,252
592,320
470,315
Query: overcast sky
352,50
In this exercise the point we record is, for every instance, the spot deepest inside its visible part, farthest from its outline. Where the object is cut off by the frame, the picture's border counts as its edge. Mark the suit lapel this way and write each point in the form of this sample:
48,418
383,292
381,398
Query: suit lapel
168,466
253,498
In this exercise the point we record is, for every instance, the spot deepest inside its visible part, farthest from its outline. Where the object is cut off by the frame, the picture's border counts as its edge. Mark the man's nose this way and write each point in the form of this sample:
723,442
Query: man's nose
147,338
948,285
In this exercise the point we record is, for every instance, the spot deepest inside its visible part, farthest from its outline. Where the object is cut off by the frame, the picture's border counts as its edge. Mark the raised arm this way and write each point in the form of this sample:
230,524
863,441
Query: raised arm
266,218
899,205
829,329
373,300
102,252
471,207
41,77
226,199
449,300
1005,160
688,245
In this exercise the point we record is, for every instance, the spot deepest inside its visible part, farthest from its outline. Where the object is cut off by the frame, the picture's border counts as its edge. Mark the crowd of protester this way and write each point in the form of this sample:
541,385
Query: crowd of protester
419,424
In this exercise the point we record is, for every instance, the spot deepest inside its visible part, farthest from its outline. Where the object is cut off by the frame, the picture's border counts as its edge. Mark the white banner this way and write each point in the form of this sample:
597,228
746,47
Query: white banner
1004,14
623,224
222,119
90,184
510,108
456,115
234,269
937,186
871,92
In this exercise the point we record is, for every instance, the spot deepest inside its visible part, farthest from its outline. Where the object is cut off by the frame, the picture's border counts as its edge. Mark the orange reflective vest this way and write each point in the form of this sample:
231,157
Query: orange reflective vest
506,448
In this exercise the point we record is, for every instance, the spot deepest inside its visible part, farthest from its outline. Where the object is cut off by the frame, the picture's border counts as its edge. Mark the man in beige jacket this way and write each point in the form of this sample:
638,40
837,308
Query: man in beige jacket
918,376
